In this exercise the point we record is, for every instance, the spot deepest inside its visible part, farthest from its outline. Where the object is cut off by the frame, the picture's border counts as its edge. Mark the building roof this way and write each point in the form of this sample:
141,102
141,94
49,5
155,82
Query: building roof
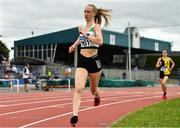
70,35
64,36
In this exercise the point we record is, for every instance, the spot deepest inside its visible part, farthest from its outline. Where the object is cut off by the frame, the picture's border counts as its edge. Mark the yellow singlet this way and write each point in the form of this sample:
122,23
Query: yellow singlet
166,65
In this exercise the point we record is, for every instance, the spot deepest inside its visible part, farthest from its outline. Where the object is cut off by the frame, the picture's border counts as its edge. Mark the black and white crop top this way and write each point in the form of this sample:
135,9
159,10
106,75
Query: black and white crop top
85,43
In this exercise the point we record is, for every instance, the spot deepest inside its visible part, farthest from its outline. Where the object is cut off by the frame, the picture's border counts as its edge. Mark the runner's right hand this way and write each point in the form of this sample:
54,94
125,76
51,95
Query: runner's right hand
71,49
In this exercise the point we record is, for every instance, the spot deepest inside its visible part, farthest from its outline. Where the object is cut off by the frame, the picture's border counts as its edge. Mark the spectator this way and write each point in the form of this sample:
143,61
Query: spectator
8,69
102,75
135,68
49,73
67,72
26,75
14,71
124,75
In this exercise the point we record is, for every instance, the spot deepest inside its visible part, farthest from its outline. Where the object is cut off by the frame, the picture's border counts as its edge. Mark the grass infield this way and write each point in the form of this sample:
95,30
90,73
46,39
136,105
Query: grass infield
163,114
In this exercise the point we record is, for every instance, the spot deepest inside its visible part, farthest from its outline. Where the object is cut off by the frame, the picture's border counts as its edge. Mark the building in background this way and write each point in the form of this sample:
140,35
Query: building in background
53,48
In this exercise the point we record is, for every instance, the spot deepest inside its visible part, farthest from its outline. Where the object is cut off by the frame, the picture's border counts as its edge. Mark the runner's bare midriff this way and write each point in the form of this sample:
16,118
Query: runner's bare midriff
89,52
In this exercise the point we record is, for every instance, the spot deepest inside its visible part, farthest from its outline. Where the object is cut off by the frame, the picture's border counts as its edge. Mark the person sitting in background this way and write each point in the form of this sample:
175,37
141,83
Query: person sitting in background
124,75
49,75
67,72
47,86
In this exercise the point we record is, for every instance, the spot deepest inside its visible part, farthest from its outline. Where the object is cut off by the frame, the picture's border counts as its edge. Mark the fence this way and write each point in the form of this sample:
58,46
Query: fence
141,75
58,72
36,71
136,75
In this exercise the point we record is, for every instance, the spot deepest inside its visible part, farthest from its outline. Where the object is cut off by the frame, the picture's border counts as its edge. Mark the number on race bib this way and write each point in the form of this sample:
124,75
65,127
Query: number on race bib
83,40
163,68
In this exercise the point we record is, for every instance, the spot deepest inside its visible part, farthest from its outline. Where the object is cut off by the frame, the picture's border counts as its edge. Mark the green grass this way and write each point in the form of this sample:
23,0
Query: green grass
163,114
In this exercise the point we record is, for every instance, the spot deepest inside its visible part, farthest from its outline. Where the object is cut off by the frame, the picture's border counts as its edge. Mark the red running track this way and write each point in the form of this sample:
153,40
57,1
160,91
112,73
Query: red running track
54,108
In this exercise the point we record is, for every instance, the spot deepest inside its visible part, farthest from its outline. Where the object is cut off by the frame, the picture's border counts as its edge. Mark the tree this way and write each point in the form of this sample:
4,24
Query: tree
4,51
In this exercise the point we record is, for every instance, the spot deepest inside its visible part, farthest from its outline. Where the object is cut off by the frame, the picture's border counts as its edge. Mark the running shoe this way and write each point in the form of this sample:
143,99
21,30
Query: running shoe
97,100
74,120
164,97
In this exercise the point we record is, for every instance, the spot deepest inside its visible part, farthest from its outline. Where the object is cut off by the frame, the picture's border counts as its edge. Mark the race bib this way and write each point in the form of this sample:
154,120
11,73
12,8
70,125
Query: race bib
84,41
163,68
98,63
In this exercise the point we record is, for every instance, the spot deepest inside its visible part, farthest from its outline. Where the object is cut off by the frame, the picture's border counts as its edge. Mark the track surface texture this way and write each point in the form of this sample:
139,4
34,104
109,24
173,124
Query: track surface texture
54,108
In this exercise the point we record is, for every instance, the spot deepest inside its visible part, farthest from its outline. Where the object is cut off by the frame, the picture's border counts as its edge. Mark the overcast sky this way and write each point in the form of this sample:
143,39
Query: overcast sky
158,19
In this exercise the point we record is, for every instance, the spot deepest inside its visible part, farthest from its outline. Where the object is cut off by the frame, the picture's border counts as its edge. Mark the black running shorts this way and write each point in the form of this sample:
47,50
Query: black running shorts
26,81
161,75
91,64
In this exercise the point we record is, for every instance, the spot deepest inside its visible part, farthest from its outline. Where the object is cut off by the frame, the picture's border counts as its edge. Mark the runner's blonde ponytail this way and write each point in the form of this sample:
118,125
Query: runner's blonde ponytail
100,12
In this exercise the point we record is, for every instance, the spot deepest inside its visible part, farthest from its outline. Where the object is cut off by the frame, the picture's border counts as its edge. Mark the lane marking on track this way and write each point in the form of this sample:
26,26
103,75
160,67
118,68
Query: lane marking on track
10,105
24,97
57,106
2,105
31,98
159,92
27,99
44,107
34,102
178,92
54,93
12,98
104,105
38,94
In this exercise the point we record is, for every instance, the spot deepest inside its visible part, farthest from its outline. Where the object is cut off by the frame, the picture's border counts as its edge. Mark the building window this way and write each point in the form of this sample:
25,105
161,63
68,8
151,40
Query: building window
27,50
156,46
40,52
112,39
23,50
36,49
45,52
31,51
19,51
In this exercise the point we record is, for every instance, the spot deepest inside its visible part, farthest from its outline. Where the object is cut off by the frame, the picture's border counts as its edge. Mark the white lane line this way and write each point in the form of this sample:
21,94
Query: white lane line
2,105
37,94
9,105
104,105
27,99
44,107
43,97
14,98
27,96
56,93
32,109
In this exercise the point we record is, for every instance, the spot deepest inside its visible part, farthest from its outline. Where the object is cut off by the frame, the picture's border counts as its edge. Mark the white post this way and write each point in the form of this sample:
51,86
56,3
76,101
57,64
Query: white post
129,49
75,60
75,57
69,85
17,85
54,53
127,58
